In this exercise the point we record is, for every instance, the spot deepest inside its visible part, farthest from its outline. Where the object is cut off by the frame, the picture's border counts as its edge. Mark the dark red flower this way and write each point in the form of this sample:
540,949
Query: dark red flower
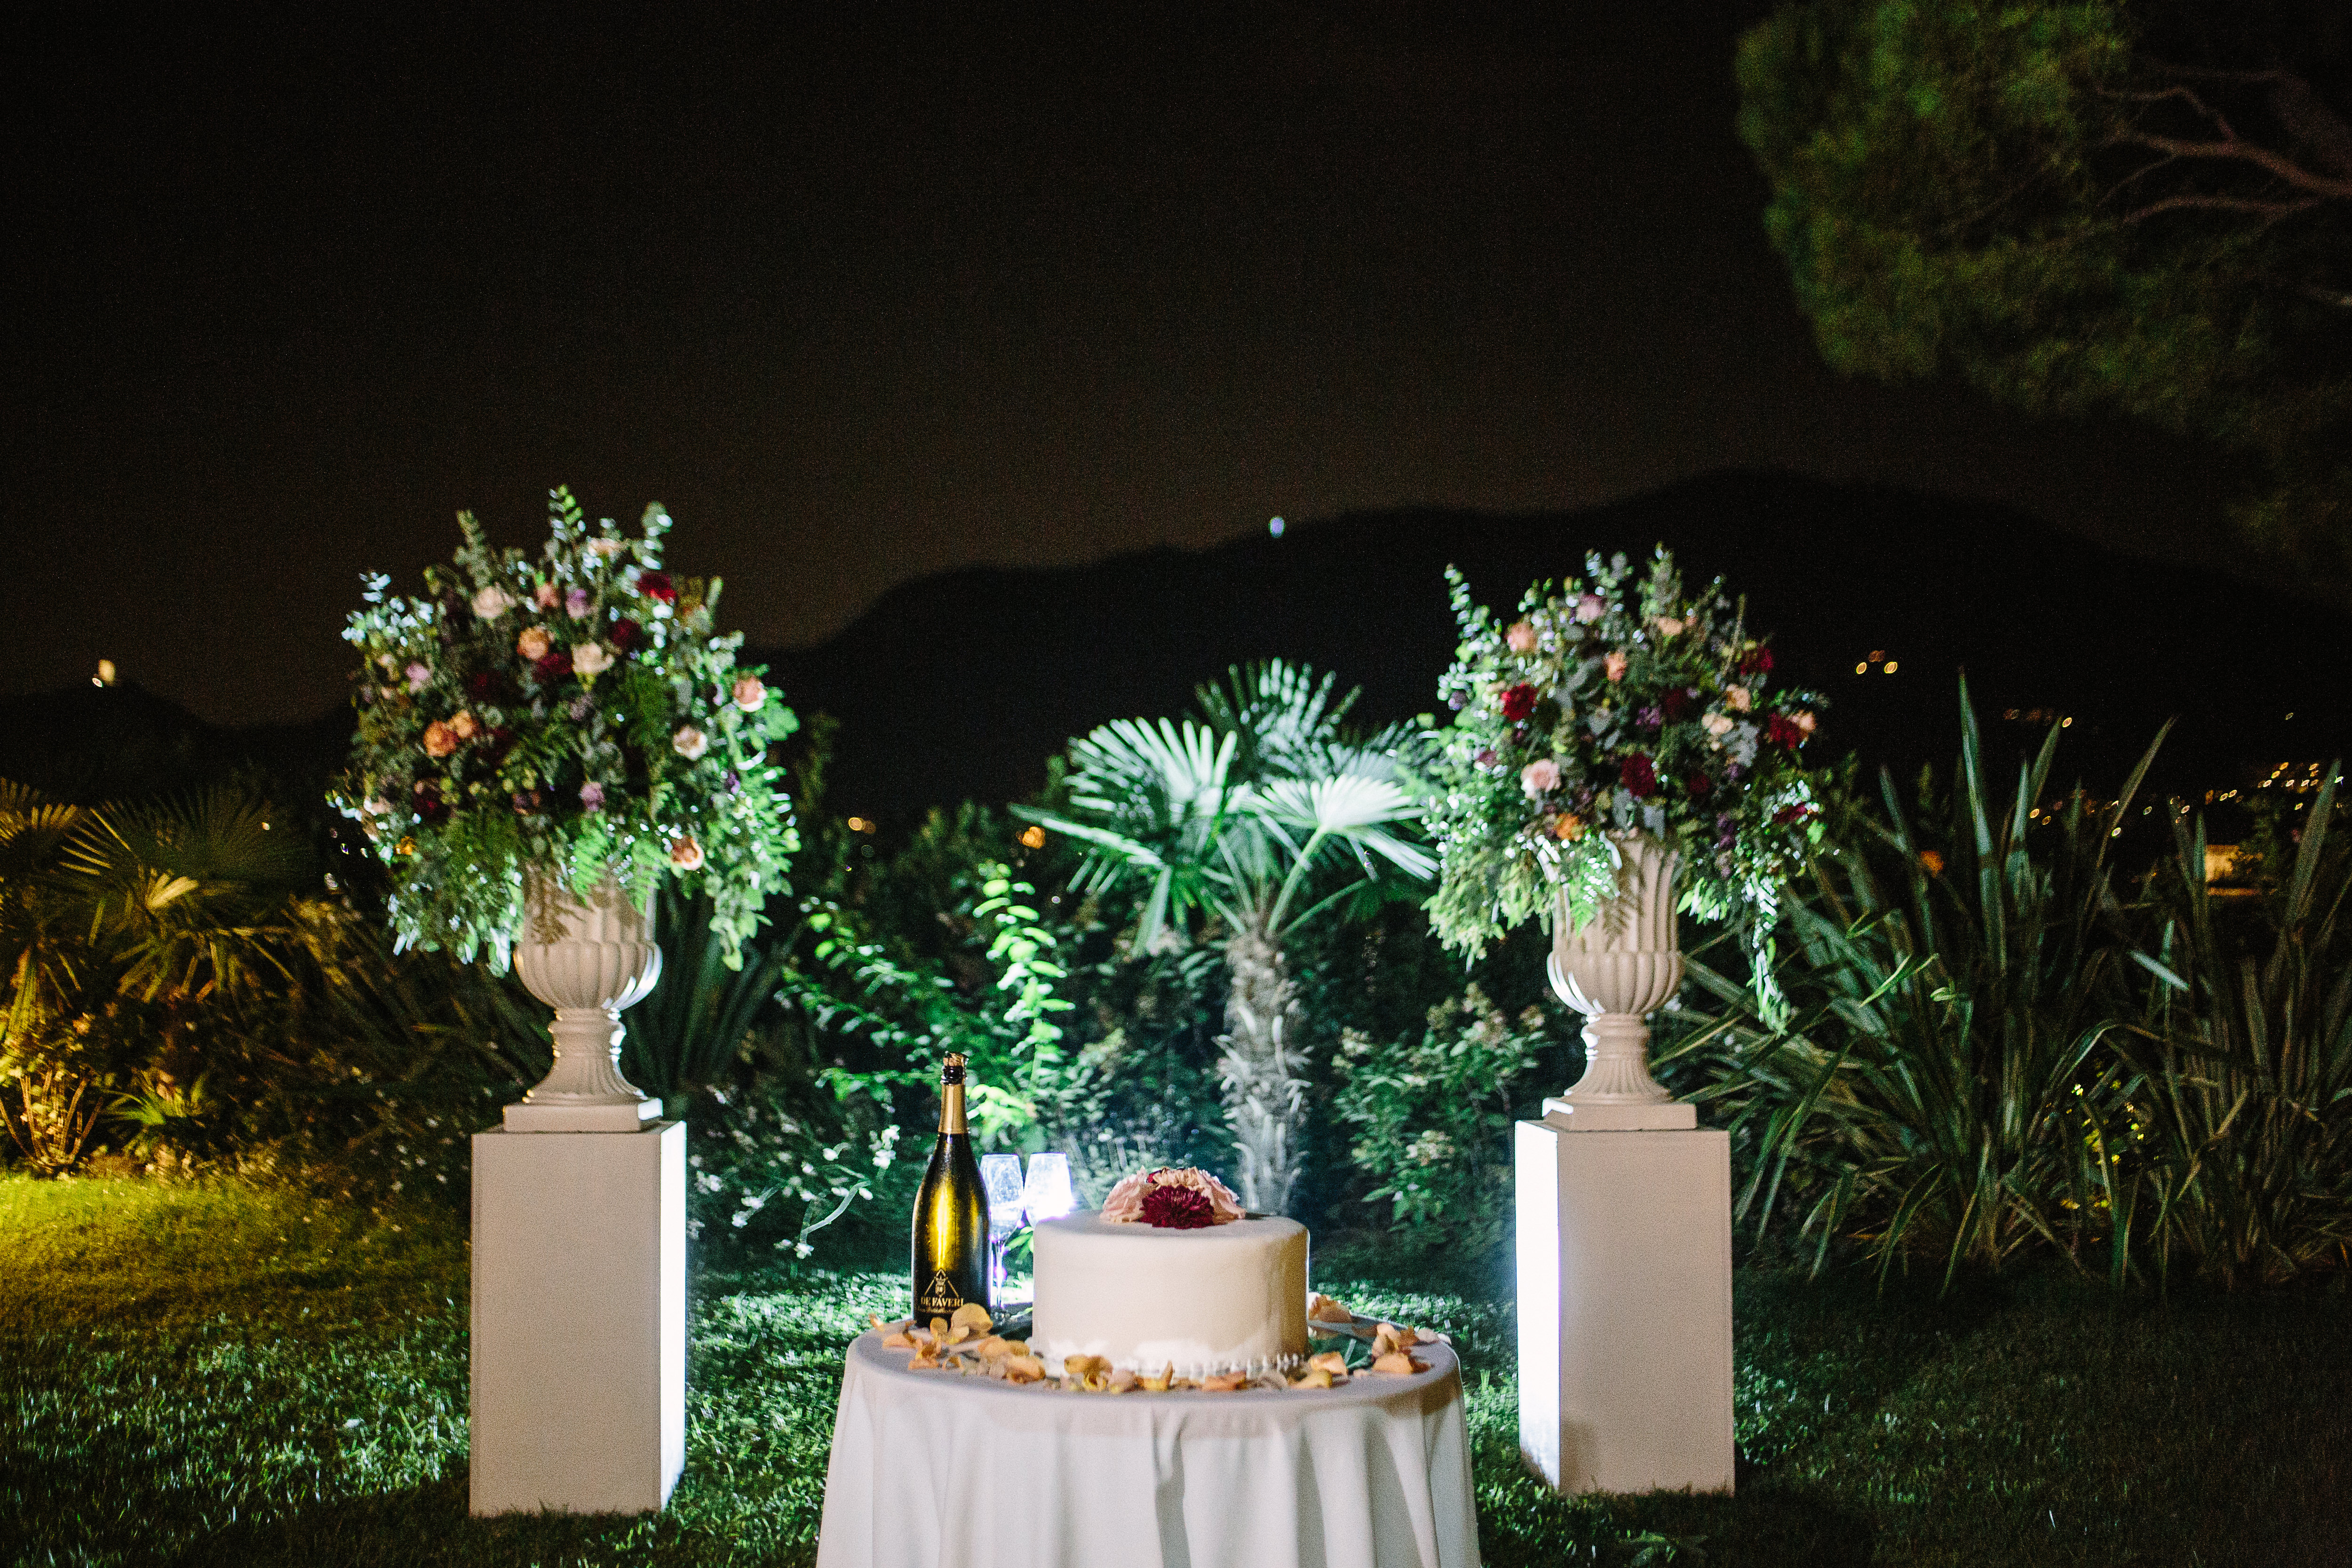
1637,774
430,808
1756,661
1678,703
1783,732
1518,702
657,585
1178,1208
554,667
1789,814
625,634
1698,786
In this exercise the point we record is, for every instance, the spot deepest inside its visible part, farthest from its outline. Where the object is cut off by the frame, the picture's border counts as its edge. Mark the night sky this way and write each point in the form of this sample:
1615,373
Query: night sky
863,297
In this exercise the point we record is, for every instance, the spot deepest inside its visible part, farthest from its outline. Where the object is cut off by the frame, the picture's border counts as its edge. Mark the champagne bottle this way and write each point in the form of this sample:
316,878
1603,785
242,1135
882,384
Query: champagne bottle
950,1213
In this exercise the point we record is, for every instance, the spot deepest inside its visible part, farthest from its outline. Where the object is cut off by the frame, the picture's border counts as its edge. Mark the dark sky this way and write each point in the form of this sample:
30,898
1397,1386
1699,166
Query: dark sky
862,294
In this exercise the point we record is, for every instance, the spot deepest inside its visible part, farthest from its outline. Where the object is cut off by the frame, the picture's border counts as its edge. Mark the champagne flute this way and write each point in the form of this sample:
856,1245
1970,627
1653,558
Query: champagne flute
1000,1174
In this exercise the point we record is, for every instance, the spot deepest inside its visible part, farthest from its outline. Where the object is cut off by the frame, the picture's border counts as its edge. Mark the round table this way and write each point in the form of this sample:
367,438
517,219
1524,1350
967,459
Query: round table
935,1469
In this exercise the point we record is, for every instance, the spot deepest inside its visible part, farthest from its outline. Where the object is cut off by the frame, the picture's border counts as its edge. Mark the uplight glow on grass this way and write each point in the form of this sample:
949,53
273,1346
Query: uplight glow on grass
228,1375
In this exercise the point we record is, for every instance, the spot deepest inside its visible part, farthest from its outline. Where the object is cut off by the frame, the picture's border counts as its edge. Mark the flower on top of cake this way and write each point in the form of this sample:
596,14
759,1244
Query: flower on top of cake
1172,1198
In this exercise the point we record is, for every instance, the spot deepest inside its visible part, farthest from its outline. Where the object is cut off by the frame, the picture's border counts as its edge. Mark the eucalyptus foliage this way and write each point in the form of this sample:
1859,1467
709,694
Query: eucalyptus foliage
577,713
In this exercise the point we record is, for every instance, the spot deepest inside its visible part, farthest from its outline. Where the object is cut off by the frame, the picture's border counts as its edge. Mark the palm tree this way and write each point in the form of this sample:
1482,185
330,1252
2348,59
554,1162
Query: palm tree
1263,814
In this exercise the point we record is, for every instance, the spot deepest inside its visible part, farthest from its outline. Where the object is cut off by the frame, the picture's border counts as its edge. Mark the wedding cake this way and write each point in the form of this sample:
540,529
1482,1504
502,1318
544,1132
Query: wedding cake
1171,1273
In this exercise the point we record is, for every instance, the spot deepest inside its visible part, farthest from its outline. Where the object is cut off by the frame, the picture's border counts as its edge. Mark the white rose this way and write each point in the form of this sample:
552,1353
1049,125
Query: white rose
590,659
491,602
689,742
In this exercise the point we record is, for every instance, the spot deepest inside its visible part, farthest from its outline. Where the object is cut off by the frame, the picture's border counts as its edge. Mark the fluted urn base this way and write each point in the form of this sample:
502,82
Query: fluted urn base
1615,969
587,960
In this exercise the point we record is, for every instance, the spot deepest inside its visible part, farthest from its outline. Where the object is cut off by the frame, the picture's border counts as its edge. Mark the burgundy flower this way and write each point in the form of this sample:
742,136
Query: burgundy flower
1678,703
1178,1208
553,668
430,808
1518,702
1638,776
625,634
657,585
1698,786
1789,814
1784,731
1756,661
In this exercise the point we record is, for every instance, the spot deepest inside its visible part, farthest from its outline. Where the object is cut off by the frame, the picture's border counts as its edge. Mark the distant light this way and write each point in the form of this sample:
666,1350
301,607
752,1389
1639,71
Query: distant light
105,676
1891,667
2065,724
1033,837
859,825
1862,669
1274,526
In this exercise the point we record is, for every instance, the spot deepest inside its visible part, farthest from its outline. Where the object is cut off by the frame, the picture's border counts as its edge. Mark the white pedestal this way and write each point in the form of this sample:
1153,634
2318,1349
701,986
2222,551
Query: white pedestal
579,1320
1625,1308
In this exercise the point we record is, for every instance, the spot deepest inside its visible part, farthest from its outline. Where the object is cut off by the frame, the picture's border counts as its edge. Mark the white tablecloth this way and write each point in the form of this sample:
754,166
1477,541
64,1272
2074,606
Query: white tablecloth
931,1469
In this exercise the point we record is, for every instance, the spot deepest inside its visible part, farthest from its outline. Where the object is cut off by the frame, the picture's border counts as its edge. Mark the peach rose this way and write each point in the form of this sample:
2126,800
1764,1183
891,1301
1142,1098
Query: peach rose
440,738
1615,665
749,693
591,659
533,644
685,854
1539,776
464,726
1737,698
689,742
1589,608
1521,636
1669,625
489,603
1569,827
1802,719
547,597
1716,724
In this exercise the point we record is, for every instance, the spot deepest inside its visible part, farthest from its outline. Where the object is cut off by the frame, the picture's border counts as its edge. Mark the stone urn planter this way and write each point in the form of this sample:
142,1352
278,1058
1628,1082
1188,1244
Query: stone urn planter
1616,969
587,960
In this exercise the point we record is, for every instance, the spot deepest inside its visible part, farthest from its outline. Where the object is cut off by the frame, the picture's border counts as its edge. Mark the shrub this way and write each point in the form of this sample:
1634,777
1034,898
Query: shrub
1433,1118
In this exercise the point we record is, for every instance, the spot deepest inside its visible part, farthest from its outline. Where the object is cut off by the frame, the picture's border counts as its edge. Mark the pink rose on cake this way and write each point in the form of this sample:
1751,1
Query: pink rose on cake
1169,1197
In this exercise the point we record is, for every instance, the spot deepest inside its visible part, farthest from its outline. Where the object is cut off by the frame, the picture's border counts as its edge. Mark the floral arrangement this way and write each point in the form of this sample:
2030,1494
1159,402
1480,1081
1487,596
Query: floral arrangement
1611,706
1172,1199
575,713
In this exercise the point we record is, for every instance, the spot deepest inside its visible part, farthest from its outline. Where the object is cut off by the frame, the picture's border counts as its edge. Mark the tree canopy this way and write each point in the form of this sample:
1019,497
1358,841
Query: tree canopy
2140,205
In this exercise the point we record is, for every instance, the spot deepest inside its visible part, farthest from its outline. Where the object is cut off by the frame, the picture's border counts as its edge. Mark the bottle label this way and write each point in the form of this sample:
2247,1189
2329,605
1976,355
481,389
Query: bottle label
939,1297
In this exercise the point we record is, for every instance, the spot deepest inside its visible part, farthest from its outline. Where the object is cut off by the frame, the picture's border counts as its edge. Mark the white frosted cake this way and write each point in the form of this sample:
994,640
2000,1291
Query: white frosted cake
1223,1296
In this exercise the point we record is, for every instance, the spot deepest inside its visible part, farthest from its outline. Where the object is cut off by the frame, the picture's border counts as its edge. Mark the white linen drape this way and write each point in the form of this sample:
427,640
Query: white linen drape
934,1470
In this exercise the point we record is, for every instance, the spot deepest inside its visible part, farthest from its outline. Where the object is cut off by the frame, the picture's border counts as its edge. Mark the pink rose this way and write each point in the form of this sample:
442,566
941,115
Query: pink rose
533,644
418,676
1539,776
685,854
590,659
689,742
1615,665
1717,725
1589,608
575,603
749,693
547,597
1521,638
591,795
491,602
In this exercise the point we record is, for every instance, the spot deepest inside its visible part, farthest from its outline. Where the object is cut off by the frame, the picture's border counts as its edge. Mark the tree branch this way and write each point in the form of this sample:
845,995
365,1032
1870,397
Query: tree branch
2272,211
2244,151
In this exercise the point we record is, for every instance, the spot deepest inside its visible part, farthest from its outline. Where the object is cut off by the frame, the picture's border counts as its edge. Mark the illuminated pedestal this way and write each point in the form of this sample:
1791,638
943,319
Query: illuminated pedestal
1625,1308
579,1320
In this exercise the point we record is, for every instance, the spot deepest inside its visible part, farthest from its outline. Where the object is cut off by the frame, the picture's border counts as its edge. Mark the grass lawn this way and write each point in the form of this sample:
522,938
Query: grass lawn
222,1374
